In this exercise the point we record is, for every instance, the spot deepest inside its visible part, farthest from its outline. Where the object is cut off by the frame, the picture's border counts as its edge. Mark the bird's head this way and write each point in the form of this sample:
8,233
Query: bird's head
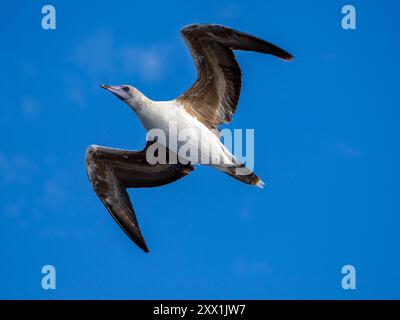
128,94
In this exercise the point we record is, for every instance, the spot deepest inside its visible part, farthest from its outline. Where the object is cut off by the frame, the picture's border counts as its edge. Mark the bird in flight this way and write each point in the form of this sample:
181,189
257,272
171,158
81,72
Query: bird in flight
209,103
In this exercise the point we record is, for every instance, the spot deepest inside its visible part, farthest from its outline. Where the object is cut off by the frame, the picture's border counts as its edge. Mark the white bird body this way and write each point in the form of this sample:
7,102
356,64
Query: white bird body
184,132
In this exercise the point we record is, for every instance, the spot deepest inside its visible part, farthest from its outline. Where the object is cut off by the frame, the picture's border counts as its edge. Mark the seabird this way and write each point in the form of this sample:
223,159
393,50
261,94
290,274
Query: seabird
209,103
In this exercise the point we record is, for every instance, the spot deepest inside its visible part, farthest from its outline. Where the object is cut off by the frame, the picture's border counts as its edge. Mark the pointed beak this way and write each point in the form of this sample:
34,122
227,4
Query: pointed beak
117,90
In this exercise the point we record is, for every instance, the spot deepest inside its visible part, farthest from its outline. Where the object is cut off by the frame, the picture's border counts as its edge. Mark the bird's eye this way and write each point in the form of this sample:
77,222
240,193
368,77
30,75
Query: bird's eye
126,89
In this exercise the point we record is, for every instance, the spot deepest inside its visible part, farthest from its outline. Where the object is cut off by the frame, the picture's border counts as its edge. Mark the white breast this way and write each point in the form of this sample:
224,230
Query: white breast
193,135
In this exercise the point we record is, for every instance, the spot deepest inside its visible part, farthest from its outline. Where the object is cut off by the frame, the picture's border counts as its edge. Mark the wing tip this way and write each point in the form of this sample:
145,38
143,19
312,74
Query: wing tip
141,244
286,56
277,51
146,250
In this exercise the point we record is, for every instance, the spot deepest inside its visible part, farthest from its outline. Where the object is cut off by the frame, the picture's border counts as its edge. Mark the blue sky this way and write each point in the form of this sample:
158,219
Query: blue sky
326,144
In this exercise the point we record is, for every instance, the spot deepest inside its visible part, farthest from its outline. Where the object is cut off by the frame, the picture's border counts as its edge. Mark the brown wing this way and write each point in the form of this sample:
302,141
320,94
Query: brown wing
215,94
112,171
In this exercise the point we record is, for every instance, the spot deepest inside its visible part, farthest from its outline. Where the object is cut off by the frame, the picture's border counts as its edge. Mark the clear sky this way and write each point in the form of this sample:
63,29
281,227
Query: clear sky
326,144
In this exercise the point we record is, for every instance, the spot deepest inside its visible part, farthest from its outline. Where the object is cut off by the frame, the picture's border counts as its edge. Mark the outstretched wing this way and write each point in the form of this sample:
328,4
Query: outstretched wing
112,171
215,94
